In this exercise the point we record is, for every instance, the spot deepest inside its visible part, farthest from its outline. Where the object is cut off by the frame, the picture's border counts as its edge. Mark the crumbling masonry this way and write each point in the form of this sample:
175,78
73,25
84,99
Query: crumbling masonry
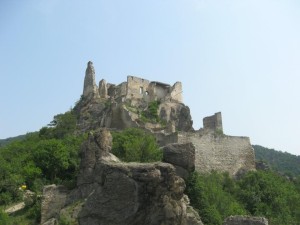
121,106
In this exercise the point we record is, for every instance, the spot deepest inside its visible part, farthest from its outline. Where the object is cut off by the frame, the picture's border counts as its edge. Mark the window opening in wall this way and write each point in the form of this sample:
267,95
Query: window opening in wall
146,93
141,90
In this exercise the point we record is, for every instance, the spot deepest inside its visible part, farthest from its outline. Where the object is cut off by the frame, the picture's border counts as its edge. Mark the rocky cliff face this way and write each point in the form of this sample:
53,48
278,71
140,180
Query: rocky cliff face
110,192
121,106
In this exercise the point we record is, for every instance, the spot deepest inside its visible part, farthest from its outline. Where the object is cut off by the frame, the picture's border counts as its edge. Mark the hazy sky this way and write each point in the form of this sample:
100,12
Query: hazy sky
240,57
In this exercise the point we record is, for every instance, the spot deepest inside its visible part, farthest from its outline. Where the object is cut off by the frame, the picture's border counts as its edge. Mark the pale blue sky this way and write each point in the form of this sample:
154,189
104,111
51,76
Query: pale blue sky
240,57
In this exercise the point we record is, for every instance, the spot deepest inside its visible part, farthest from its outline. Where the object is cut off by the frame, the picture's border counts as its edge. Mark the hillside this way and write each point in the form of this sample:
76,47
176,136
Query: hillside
282,162
6,141
101,163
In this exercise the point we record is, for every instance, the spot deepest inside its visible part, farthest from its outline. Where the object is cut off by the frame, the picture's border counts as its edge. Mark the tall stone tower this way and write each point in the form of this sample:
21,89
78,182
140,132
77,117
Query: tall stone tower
90,86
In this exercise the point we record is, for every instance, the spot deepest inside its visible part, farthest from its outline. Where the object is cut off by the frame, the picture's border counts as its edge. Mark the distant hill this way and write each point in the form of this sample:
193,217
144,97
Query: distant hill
6,141
282,162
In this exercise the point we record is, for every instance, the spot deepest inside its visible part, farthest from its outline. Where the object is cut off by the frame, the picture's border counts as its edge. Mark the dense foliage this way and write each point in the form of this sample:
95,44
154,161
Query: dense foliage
135,145
40,158
282,162
6,141
217,196
51,156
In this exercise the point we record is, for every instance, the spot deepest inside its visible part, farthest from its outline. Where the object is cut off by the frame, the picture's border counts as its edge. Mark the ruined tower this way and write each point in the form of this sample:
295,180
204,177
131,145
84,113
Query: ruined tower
90,86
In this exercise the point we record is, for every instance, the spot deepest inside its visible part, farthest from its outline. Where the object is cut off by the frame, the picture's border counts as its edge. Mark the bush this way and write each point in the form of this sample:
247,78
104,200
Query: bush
210,196
135,145
151,115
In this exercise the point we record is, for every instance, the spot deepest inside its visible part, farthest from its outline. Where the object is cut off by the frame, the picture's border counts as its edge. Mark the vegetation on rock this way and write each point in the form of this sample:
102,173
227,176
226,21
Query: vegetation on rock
135,145
150,114
51,156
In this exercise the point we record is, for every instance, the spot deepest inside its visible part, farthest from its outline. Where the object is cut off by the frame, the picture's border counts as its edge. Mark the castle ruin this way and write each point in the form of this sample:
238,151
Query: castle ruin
123,106
135,89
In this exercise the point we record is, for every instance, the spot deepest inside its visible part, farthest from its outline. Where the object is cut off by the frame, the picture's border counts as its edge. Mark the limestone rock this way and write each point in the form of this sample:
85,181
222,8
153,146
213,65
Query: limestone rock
178,114
134,194
103,89
53,199
90,87
245,220
15,208
182,156
115,193
29,198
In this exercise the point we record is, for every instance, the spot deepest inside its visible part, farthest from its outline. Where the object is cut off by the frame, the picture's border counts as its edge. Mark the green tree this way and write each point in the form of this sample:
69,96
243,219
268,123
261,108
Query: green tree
61,126
211,196
135,145
270,195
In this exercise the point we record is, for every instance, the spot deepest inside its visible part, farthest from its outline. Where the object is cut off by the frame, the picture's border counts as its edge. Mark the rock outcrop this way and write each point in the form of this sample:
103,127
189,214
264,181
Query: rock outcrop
90,87
115,193
121,106
245,220
181,156
53,200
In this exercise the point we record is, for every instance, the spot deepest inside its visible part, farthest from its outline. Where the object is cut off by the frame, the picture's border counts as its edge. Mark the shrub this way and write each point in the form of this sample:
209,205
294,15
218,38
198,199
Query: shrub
135,145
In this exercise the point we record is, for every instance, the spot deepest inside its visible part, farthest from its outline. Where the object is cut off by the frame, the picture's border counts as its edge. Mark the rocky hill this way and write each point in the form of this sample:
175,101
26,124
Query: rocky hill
159,109
281,162
112,192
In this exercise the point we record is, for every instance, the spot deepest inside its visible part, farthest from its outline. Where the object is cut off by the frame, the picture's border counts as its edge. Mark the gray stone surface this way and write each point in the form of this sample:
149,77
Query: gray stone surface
213,122
115,193
53,199
245,220
90,87
103,89
29,197
103,106
220,152
182,156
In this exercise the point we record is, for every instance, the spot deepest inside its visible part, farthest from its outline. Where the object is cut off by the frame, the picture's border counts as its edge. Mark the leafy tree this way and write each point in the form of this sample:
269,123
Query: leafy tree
211,196
135,145
61,126
282,162
270,195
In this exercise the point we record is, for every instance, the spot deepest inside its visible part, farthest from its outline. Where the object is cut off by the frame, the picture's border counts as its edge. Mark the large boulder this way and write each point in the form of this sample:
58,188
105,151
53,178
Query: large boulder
53,200
182,156
134,193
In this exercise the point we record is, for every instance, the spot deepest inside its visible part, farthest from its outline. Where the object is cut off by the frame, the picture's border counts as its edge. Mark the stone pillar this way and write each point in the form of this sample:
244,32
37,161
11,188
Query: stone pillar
90,86
102,89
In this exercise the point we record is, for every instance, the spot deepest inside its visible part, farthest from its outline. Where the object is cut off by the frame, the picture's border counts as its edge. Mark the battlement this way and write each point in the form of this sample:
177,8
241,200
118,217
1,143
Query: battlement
213,122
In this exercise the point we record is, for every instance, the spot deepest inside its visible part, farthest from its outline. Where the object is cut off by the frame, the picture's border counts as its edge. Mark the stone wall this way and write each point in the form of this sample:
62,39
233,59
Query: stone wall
220,152
176,92
136,87
213,122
